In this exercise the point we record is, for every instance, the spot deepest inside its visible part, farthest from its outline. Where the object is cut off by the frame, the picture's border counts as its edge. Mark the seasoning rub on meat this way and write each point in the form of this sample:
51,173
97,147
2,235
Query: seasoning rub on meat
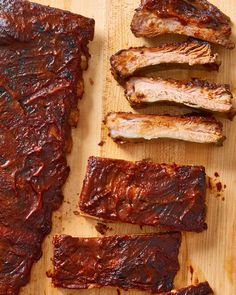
196,18
145,193
128,127
147,262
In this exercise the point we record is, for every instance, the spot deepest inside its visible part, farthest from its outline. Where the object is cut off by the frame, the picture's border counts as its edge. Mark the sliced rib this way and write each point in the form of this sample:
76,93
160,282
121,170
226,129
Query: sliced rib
200,289
128,127
127,62
146,262
141,91
197,18
43,51
145,193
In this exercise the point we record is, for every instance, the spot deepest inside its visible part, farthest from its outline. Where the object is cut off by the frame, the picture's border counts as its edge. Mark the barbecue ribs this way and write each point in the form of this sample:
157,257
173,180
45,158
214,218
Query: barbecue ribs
145,193
195,18
146,262
43,53
128,127
127,62
141,91
200,289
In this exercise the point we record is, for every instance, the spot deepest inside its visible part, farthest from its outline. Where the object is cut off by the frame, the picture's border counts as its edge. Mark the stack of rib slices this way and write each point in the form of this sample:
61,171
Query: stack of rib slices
136,69
143,193
168,196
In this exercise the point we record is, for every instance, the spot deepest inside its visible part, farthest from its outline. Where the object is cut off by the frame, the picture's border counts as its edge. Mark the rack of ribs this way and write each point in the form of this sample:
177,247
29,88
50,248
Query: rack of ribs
43,53
200,289
145,193
200,94
125,63
128,127
195,18
147,262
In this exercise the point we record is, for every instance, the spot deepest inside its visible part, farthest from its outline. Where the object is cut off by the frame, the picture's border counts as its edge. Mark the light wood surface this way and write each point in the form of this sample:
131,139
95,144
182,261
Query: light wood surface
211,254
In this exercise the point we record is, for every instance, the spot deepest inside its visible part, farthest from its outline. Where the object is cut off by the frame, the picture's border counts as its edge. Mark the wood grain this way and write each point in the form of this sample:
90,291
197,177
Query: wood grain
211,254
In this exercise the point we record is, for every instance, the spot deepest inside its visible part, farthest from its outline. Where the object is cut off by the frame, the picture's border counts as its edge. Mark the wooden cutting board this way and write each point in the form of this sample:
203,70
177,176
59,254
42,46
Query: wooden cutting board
210,255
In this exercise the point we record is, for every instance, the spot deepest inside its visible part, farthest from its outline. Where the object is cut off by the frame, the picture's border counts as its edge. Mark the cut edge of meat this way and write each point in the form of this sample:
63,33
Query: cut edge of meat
128,62
142,91
128,127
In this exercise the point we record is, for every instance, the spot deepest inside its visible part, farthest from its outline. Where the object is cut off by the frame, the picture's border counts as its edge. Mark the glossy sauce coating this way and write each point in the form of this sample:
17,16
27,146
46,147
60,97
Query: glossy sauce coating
145,193
41,50
200,12
146,262
194,18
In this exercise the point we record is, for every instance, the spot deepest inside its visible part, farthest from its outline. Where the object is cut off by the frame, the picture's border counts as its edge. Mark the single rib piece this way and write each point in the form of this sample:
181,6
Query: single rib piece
141,91
145,262
197,18
200,289
145,193
193,52
42,53
128,127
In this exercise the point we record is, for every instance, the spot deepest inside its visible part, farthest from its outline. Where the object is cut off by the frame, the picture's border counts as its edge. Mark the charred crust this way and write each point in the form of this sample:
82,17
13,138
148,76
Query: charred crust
202,13
209,85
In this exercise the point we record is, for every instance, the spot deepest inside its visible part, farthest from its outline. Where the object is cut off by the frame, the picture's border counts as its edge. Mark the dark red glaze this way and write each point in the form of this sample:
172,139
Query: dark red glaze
145,193
200,289
199,12
145,262
40,58
102,228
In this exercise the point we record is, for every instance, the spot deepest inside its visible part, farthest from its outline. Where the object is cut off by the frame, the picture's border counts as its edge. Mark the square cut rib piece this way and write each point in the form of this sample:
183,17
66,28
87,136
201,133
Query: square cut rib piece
43,52
198,19
147,262
126,63
200,289
145,193
128,127
200,94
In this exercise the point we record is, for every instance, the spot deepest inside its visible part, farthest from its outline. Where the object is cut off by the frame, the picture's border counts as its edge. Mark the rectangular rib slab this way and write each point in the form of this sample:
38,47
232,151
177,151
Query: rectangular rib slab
146,262
145,193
